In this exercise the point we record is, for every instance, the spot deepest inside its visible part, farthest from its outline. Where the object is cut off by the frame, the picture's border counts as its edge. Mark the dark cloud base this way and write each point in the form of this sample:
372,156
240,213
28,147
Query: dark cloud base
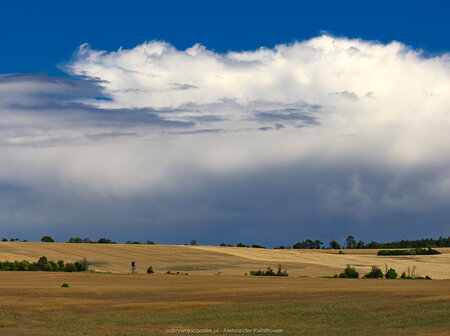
278,206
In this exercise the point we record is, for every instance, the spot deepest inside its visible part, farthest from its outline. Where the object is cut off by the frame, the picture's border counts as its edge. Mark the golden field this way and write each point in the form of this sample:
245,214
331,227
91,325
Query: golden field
210,260
216,296
33,303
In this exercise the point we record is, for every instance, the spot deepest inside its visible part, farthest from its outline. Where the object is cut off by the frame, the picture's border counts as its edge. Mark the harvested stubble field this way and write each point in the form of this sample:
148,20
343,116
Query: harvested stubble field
33,303
210,260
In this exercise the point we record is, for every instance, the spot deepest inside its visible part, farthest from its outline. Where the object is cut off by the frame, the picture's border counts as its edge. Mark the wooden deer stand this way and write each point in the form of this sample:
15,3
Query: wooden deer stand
133,268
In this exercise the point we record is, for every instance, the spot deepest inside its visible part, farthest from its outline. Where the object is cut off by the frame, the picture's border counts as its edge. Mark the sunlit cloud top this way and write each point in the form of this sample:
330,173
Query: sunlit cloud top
319,136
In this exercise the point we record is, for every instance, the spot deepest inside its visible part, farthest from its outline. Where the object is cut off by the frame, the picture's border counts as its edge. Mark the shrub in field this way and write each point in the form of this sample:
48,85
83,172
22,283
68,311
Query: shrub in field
150,270
258,246
76,240
65,285
349,272
411,274
375,273
391,274
269,272
281,272
105,241
43,264
69,267
415,251
80,267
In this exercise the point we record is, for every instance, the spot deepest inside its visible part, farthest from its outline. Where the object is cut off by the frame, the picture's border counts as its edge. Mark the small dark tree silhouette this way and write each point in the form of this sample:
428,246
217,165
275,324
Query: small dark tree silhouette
349,272
391,274
47,239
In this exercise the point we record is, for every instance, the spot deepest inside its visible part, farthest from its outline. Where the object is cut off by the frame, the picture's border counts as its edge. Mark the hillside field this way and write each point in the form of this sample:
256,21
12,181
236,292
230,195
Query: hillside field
209,260
216,297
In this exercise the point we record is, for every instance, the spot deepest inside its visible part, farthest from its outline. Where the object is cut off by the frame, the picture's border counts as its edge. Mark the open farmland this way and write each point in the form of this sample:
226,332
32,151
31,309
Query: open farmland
208,260
216,295
33,303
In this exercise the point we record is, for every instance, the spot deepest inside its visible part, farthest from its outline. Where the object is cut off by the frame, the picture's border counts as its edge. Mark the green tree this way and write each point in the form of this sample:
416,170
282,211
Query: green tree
69,267
77,240
193,242
375,273
47,239
41,263
60,265
350,242
150,270
105,241
360,245
391,274
349,272
335,245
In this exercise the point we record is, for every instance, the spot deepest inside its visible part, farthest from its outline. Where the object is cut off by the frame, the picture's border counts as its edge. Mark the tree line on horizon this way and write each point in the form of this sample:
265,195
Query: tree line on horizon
349,243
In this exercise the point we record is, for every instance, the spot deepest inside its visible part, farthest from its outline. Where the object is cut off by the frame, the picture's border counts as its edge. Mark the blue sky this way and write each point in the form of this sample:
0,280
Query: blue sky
36,36
256,122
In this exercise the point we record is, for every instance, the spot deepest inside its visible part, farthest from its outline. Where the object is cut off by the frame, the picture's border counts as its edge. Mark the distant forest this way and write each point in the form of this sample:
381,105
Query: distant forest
349,243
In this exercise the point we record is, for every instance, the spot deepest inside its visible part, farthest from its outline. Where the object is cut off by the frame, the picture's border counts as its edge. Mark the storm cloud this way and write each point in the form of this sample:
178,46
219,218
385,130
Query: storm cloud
319,138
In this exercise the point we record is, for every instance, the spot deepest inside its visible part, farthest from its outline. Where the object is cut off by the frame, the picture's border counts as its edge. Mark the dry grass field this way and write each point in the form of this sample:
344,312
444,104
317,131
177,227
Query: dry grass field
216,295
33,303
226,260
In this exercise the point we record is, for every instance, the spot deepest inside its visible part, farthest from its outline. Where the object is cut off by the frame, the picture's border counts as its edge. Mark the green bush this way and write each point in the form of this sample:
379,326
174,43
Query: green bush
415,251
391,274
150,270
47,239
76,240
349,272
375,273
105,241
79,267
65,285
269,272
43,264
69,267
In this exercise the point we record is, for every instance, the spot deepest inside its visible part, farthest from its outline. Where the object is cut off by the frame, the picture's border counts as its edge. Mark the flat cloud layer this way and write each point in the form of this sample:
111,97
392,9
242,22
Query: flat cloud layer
319,138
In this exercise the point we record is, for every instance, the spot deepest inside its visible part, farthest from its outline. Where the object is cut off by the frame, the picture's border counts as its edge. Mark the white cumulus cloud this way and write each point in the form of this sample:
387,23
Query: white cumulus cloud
303,133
